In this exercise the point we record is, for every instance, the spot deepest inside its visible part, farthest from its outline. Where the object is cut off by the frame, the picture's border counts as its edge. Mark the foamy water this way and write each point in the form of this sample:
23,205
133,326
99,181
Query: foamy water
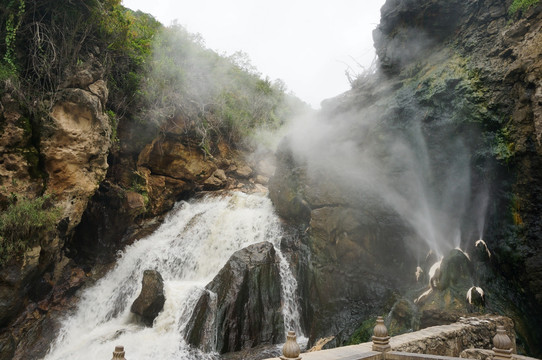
192,245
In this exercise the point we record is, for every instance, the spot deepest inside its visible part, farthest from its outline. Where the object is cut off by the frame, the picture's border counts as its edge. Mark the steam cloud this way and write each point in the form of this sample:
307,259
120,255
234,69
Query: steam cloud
387,154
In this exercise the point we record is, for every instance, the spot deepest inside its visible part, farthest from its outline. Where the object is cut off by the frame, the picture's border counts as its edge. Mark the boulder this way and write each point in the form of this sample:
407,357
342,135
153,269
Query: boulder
243,171
172,158
216,181
403,317
248,303
151,300
447,299
172,168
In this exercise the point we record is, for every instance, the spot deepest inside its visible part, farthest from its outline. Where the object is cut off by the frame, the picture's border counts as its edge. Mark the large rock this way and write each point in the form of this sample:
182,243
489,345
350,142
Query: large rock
243,303
151,300
344,253
75,142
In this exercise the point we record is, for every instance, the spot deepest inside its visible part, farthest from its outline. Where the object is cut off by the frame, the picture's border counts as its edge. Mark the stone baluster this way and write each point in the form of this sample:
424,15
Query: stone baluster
291,350
118,354
381,340
502,345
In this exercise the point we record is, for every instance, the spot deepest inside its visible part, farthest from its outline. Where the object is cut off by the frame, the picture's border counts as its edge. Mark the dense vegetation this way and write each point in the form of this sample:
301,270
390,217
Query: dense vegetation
221,97
153,73
46,41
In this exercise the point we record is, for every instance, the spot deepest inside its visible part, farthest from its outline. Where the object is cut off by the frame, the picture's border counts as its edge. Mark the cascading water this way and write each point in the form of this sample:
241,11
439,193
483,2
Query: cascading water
193,244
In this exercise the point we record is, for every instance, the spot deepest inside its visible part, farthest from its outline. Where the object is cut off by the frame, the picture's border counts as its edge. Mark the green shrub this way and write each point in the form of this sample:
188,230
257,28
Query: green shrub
521,5
114,122
15,12
504,148
23,223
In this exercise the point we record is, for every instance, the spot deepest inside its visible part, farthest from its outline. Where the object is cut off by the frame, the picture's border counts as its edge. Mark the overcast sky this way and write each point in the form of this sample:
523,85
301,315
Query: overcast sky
308,44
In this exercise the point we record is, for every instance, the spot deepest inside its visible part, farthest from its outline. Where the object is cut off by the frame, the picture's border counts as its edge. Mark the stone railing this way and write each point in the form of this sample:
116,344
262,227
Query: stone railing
381,349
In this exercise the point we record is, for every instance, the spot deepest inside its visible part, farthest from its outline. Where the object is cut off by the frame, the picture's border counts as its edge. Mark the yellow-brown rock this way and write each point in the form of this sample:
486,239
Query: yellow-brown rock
75,144
18,157
172,168
169,157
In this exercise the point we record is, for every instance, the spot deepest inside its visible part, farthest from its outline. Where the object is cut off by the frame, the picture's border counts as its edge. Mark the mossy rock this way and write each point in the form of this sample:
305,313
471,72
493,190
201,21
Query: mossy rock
363,333
403,317
456,271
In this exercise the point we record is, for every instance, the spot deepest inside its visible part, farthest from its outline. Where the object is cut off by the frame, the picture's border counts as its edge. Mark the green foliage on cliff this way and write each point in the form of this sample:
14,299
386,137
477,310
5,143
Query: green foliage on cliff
521,5
211,97
504,148
12,24
130,44
23,223
154,74
44,41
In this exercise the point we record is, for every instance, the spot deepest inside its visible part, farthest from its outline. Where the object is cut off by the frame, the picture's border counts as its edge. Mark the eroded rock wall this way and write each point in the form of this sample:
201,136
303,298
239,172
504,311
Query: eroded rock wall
60,149
75,142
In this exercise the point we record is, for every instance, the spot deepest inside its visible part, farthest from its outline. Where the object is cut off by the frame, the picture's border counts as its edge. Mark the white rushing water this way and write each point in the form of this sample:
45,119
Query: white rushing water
188,249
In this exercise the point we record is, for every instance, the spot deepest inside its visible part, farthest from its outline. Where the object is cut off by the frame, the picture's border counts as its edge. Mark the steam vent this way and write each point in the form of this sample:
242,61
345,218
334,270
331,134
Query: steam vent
198,181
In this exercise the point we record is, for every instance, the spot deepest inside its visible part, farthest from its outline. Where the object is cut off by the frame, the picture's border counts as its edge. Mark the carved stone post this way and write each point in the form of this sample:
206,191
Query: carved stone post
381,340
291,350
118,354
502,345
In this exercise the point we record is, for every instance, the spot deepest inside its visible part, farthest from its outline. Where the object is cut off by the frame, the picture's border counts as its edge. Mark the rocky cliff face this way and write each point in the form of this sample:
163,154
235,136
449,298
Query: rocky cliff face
457,89
65,152
74,144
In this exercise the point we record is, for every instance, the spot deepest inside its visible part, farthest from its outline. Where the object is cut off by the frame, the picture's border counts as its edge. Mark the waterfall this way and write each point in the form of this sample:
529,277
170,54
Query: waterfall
188,249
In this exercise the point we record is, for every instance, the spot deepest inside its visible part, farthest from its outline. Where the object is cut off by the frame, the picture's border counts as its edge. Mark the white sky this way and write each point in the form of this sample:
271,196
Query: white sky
308,44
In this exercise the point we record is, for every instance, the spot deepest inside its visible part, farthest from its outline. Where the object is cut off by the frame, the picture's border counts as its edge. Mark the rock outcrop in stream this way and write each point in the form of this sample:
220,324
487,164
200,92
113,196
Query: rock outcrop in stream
151,300
242,305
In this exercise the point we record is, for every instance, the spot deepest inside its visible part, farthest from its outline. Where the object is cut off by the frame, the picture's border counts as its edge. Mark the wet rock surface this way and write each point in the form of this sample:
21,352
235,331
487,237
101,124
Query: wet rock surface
338,243
151,300
245,306
108,217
